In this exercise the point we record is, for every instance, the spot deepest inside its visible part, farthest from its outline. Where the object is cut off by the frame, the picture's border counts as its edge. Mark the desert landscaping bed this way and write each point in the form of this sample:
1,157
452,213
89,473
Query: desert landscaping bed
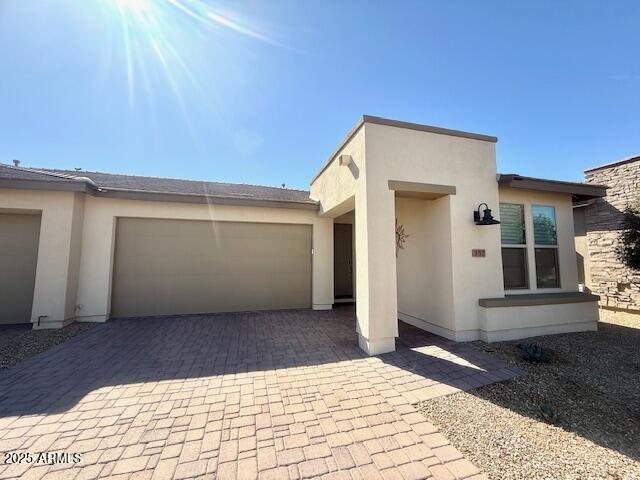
575,417
20,342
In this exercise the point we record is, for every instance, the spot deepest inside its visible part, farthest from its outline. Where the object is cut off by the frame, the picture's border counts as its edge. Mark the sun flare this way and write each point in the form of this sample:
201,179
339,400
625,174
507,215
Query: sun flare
164,34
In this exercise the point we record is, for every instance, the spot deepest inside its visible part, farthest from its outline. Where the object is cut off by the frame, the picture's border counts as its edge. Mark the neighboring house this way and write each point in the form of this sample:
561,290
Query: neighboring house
388,222
598,223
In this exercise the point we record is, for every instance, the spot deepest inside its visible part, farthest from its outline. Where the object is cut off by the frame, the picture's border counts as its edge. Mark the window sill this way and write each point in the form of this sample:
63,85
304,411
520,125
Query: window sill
531,299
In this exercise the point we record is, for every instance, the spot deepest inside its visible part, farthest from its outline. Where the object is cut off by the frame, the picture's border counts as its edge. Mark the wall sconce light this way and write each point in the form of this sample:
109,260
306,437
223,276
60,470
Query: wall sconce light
487,218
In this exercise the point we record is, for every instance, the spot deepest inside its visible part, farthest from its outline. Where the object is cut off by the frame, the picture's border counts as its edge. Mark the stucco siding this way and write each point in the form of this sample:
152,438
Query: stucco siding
509,323
50,300
337,186
467,164
77,239
425,283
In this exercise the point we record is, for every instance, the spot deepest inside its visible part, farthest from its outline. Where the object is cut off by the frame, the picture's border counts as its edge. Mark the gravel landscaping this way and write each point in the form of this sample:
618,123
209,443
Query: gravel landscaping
18,342
589,423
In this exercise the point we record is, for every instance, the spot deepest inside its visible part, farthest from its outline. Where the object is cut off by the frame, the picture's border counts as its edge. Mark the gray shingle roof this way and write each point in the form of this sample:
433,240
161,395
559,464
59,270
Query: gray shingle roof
118,182
13,173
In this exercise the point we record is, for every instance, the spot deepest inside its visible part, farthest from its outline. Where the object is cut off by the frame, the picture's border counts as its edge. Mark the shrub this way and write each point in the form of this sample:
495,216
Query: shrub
628,250
531,352
548,414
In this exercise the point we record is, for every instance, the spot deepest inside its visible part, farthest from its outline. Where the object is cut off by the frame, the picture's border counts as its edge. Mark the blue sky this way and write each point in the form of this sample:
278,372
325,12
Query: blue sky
261,92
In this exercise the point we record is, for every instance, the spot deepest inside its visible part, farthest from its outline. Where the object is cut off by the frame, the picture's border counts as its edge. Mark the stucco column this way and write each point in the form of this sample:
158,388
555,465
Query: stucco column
94,292
54,294
376,290
322,291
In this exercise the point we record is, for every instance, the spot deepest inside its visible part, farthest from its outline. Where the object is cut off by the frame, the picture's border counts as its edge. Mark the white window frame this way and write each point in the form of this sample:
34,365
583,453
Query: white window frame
524,246
536,246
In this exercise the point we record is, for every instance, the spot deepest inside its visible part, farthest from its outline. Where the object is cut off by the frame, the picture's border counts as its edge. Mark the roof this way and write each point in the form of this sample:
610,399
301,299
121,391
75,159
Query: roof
580,191
631,159
399,124
152,188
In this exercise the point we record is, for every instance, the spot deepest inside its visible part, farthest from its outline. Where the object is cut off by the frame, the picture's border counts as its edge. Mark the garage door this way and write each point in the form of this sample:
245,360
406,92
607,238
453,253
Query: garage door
165,267
19,235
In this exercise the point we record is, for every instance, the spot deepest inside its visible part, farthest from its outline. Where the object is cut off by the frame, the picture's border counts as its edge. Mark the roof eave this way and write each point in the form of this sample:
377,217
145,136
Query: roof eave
580,191
88,186
55,185
146,195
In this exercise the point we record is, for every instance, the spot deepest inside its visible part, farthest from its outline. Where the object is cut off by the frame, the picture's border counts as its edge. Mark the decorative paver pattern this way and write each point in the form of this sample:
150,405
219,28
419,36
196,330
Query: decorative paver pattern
283,395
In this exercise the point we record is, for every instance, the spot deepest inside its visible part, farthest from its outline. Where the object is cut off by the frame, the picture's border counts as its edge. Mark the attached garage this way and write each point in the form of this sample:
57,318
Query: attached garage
19,237
167,267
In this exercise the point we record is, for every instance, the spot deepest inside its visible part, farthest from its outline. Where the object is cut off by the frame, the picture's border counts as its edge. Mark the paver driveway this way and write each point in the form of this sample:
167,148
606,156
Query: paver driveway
281,395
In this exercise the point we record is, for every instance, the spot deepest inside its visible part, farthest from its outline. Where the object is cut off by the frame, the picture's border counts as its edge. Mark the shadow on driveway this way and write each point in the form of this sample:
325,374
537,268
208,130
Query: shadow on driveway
141,350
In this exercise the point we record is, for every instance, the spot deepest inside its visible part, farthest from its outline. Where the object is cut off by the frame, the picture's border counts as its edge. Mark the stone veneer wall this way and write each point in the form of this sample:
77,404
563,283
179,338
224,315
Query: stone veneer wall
618,286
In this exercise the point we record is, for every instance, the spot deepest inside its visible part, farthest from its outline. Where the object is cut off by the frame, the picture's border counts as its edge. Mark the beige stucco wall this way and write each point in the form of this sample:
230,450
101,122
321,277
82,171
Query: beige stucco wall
338,185
424,266
76,246
58,251
94,293
381,153
566,242
339,190
509,323
470,166
75,249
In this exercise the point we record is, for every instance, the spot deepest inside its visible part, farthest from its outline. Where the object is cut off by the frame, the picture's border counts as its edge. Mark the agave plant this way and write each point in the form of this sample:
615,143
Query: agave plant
548,414
531,352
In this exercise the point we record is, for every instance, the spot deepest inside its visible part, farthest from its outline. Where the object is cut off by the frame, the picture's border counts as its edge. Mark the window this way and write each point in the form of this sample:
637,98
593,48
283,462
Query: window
514,246
546,246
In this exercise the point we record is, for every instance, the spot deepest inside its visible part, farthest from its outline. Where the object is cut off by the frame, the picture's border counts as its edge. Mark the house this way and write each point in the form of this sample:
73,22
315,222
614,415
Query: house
598,223
400,219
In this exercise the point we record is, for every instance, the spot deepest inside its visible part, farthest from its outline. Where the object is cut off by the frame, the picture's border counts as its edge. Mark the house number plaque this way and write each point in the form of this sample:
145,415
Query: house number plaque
478,252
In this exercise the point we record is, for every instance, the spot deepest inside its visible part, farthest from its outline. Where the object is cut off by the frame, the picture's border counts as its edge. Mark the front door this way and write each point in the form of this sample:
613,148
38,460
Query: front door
342,260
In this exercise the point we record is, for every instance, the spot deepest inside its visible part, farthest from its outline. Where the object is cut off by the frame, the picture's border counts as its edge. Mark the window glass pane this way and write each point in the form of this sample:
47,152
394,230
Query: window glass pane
547,268
544,225
514,267
512,224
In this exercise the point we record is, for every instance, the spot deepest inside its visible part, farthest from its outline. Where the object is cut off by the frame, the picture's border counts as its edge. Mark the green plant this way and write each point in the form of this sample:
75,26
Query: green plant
548,414
531,352
628,250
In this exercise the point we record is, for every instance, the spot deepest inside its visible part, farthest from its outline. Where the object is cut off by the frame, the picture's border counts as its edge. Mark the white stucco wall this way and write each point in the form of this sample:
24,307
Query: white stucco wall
566,243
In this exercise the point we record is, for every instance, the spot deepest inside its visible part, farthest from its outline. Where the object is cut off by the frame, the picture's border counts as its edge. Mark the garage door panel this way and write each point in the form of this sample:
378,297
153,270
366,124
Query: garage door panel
200,300
19,237
176,266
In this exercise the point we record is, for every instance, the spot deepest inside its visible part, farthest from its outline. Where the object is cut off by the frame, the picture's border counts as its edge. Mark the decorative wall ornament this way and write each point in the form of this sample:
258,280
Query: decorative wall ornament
401,237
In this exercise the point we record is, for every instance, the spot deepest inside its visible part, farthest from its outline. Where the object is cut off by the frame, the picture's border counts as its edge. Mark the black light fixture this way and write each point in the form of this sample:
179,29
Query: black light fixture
487,218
